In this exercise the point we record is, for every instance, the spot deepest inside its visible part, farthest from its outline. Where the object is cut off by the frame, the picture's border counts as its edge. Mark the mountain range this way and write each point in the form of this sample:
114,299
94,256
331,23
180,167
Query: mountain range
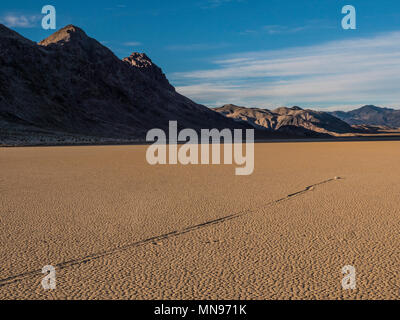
70,85
69,88
370,115
288,120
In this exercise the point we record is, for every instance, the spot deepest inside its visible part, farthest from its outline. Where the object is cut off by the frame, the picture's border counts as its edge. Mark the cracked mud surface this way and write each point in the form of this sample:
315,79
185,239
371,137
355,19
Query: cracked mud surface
116,228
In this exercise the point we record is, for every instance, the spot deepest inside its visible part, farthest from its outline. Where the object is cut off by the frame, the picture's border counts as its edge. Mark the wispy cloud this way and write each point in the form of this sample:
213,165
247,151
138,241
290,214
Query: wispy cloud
349,72
197,46
13,20
117,7
207,4
132,44
278,29
274,30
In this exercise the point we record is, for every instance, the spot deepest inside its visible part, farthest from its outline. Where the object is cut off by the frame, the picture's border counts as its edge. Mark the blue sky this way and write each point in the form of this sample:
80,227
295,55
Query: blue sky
258,53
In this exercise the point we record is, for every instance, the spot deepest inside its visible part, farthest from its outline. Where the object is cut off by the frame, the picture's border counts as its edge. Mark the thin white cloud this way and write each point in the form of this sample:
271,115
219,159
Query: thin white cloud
278,29
117,7
348,72
132,44
207,4
197,46
347,107
12,20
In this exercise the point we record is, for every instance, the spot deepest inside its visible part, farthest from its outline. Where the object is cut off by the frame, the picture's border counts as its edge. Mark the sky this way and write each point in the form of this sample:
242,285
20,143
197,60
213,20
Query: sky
254,53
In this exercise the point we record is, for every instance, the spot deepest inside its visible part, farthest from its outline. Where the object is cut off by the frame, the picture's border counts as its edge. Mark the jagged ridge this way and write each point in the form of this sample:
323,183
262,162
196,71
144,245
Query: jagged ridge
294,120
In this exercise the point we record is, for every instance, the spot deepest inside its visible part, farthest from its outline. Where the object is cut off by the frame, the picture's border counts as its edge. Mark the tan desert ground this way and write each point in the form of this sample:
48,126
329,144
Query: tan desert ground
117,228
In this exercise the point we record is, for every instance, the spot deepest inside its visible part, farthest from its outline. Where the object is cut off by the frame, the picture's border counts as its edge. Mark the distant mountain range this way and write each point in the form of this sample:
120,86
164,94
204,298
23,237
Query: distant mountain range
69,88
289,120
370,115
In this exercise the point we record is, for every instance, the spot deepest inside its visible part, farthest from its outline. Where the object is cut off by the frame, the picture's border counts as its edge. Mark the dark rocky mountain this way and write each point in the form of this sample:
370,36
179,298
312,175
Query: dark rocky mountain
69,85
371,115
289,120
69,88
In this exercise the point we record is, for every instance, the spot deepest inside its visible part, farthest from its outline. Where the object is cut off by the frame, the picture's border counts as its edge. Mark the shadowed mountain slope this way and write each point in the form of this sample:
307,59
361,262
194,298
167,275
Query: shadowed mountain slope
70,84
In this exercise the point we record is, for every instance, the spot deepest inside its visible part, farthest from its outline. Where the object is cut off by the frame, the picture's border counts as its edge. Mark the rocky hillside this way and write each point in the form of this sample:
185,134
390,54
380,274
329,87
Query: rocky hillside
69,85
291,120
371,115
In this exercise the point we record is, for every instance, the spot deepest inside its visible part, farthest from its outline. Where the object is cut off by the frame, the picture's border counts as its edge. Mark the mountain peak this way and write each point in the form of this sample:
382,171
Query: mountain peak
286,110
371,115
230,106
72,28
371,108
74,41
143,63
66,34
139,60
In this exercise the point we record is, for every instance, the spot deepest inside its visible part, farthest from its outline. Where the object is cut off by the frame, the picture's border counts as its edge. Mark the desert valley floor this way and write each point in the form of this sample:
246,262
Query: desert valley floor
117,228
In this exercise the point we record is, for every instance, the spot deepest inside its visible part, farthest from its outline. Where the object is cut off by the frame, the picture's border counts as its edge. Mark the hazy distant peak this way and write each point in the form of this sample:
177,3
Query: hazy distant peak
373,108
229,107
371,115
